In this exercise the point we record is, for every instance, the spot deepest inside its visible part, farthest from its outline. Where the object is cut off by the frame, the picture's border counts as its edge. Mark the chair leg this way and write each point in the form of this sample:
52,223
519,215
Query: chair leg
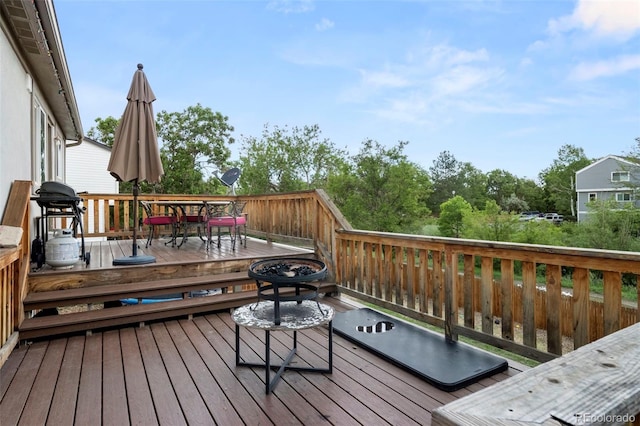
150,237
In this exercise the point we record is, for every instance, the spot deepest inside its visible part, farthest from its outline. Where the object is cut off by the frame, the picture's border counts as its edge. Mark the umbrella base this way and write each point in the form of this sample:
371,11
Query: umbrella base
134,260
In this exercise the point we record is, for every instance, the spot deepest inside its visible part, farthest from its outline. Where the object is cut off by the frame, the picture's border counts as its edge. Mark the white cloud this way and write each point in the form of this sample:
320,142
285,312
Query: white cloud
462,79
383,79
291,6
443,55
612,18
591,70
324,24
526,62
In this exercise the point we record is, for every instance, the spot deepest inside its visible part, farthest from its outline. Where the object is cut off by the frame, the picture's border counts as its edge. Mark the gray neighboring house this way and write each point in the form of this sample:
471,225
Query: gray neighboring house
610,177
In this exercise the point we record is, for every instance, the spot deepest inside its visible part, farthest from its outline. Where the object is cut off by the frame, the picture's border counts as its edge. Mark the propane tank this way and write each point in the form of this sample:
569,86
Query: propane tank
61,251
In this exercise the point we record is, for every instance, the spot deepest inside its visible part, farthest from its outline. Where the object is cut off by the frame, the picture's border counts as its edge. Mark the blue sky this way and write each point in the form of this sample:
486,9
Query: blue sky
499,84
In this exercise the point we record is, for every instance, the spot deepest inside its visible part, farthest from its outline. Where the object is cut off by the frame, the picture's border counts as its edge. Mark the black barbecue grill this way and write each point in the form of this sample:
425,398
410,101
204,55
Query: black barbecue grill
59,200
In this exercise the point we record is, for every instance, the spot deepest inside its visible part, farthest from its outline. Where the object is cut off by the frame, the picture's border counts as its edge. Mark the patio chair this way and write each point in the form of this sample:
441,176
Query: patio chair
231,219
155,221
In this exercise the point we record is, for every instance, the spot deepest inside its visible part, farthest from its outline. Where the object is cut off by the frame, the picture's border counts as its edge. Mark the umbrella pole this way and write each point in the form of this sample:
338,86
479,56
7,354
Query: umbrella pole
136,191
134,259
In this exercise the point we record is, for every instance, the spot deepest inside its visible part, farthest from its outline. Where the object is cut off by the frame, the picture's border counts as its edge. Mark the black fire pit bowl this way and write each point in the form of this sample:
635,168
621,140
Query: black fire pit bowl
290,270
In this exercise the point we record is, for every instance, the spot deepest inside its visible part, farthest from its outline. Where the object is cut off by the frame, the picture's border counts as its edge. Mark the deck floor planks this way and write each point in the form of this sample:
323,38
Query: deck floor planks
388,399
358,389
184,370
65,397
10,368
139,401
237,405
168,410
193,407
194,251
114,401
299,382
300,408
21,385
411,400
251,381
214,352
219,406
37,408
284,399
90,389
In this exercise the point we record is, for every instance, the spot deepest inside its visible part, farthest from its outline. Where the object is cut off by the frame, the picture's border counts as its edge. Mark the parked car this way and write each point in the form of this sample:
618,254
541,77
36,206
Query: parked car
528,215
554,217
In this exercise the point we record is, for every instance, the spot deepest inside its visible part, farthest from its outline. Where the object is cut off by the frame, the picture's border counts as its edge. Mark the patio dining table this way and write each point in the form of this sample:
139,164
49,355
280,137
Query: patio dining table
184,210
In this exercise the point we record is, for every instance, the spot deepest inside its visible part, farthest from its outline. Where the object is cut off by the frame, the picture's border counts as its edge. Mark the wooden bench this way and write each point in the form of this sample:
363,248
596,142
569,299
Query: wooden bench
597,383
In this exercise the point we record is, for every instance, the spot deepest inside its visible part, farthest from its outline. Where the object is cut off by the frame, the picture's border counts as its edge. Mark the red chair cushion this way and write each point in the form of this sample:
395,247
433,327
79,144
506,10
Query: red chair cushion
193,218
159,220
227,221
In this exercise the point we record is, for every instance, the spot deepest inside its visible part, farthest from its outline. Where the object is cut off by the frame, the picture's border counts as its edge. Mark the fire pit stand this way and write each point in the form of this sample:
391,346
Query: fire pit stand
273,275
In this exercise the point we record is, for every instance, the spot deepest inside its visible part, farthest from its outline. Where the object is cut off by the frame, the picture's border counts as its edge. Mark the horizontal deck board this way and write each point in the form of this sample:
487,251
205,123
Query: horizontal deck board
142,289
103,318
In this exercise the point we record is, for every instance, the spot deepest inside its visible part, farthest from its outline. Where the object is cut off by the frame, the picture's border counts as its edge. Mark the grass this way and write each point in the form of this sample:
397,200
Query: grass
596,285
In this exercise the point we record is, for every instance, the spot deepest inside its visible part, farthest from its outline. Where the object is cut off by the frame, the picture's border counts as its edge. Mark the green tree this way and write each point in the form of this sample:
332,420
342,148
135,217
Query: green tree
514,204
539,232
492,224
453,214
559,179
194,146
104,130
500,185
284,160
381,190
532,193
609,225
472,185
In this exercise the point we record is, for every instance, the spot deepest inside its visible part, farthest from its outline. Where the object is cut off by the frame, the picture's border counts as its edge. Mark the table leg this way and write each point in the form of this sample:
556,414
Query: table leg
270,382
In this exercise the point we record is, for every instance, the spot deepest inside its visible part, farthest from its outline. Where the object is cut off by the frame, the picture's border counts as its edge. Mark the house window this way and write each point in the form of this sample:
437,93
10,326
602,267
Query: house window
59,160
624,196
620,177
593,196
39,167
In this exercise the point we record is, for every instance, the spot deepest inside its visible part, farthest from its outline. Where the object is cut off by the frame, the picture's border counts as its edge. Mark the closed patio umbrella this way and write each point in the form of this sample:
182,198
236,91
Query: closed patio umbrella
135,156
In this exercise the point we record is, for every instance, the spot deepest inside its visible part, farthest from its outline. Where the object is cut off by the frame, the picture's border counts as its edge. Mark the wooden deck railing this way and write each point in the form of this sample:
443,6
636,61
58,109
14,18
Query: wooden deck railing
308,217
464,286
435,280
14,268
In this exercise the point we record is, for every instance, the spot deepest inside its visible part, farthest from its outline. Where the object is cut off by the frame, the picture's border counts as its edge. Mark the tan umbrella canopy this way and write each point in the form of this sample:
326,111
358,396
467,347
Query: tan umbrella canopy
135,156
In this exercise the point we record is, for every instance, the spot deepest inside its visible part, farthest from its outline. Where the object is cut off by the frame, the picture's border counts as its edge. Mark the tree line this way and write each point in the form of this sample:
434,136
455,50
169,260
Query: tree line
379,188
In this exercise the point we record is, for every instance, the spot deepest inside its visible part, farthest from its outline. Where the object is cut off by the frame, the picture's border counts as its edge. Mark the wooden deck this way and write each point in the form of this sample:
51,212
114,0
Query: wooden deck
102,253
183,372
192,259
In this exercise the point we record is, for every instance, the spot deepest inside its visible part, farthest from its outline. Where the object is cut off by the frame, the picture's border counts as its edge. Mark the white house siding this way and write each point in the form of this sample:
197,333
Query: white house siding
87,172
87,168
27,79
15,116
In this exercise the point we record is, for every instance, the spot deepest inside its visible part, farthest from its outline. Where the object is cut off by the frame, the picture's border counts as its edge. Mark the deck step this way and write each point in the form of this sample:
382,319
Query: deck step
95,319
144,289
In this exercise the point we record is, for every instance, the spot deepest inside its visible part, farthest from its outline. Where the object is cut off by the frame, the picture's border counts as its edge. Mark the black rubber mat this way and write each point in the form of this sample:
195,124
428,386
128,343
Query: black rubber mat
446,365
